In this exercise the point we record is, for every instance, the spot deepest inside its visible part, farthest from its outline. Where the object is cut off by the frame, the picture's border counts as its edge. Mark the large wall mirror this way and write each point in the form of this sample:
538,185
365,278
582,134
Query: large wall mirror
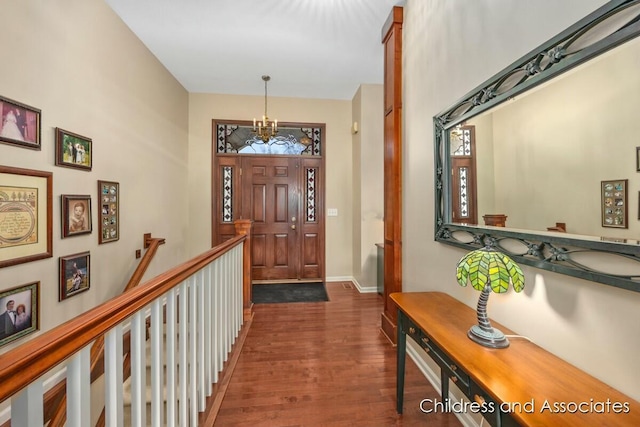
541,160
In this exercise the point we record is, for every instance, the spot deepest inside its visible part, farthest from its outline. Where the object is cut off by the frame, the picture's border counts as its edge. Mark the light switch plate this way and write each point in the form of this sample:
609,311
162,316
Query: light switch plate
332,212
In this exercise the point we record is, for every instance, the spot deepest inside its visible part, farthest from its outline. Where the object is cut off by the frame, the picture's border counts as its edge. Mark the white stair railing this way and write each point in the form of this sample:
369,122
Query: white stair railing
188,365
200,310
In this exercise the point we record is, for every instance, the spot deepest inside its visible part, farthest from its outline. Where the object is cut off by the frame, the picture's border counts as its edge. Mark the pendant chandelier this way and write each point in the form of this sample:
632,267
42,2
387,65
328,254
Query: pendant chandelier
265,129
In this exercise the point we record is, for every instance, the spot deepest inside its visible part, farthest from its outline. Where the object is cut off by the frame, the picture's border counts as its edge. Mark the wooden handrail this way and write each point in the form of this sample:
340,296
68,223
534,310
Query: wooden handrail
27,362
152,245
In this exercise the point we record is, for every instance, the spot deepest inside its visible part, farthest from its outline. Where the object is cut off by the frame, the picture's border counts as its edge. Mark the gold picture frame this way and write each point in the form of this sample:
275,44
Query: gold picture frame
19,312
25,215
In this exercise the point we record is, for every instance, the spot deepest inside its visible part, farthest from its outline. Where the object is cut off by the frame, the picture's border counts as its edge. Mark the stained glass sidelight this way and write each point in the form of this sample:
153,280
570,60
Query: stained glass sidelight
227,194
464,194
311,194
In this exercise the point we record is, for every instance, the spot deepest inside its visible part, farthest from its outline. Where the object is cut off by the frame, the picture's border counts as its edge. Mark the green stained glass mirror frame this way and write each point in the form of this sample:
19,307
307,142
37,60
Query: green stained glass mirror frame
617,261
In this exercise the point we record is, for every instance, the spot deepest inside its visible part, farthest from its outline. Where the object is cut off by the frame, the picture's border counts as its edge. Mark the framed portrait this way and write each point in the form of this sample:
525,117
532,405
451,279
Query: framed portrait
638,159
25,215
76,215
19,124
614,203
75,274
19,312
109,215
73,150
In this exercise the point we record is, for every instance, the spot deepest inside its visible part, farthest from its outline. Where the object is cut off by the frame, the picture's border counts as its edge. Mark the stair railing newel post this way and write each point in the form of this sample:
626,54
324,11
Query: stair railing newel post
243,227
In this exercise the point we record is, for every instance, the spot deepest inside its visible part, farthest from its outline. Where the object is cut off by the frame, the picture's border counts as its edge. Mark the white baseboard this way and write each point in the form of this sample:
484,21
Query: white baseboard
359,287
339,279
434,378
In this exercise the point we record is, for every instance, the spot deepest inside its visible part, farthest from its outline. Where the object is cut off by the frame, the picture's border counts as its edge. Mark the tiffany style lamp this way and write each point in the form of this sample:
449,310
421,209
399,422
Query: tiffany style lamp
488,270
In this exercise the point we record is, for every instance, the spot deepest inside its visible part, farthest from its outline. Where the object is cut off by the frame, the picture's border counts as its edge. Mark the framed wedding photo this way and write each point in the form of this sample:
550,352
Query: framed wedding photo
19,124
614,203
19,312
25,214
76,215
73,150
109,215
75,274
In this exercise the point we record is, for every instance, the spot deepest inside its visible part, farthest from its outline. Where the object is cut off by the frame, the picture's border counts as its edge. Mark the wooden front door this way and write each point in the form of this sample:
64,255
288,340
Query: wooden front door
270,198
283,196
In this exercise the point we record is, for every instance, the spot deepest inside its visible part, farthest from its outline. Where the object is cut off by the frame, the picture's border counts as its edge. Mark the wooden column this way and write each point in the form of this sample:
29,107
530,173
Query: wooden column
243,227
392,40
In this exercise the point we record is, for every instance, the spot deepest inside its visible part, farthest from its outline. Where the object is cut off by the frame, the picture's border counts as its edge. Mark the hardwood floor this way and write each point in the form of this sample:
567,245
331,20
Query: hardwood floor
323,364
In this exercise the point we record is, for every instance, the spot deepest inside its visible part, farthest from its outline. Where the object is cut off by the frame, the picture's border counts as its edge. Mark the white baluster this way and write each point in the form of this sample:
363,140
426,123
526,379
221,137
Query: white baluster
79,389
193,382
138,370
200,341
208,329
171,331
156,363
113,406
215,308
182,364
26,406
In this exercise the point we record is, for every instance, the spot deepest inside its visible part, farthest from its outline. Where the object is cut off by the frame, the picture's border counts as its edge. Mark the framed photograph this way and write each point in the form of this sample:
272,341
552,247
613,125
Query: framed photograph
25,215
614,203
73,150
638,159
76,215
19,124
75,274
109,215
19,312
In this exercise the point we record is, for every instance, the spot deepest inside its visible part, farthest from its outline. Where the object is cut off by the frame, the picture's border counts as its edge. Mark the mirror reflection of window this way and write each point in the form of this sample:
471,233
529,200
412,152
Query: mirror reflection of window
463,167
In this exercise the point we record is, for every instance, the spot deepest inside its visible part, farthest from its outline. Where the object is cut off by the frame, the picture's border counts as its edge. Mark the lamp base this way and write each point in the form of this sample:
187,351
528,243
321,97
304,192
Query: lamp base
493,339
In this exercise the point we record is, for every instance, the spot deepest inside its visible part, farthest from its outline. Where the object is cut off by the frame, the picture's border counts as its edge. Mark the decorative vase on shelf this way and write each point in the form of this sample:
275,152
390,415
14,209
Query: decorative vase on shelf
488,270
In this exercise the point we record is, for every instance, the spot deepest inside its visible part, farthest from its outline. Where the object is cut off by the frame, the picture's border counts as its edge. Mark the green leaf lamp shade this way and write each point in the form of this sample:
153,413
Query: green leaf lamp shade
488,270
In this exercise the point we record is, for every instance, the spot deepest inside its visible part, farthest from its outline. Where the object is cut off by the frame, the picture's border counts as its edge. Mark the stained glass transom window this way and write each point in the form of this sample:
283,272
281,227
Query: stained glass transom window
232,138
460,141
227,194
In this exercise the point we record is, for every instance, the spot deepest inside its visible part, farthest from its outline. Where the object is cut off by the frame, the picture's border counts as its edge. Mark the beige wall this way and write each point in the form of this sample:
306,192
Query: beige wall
592,326
336,114
368,186
581,136
77,62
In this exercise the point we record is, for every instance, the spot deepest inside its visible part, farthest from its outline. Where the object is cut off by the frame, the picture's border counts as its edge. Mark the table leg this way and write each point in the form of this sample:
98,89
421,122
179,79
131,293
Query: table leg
402,351
444,385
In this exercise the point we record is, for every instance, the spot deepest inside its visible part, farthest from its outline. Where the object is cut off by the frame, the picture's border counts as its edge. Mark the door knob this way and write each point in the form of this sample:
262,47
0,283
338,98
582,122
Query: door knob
293,219
293,226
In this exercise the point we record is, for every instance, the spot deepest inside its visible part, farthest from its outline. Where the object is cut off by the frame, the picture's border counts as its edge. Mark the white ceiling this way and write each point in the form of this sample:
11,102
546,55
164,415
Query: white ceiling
310,48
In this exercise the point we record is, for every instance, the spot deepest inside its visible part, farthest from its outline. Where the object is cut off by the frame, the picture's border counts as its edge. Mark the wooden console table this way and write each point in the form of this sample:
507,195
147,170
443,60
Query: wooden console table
519,385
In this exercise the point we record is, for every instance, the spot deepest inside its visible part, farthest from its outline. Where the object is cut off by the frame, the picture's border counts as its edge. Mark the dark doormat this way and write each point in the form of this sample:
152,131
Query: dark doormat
289,292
